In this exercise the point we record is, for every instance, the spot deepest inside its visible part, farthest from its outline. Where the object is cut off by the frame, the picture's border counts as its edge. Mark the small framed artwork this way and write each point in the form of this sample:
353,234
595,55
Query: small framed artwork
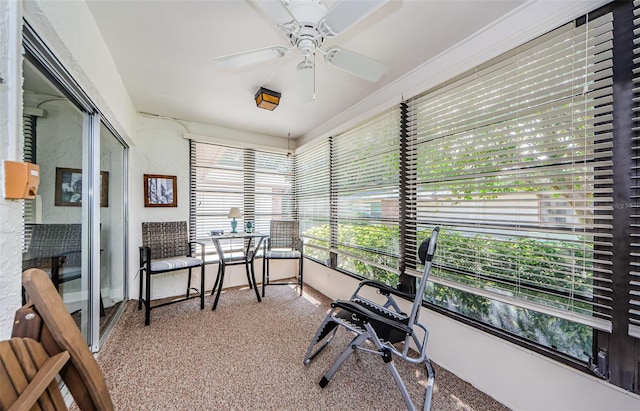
69,187
160,191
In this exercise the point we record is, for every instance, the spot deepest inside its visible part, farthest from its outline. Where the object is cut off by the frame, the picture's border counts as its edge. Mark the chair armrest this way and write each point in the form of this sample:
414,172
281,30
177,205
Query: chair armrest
368,315
201,244
145,254
386,289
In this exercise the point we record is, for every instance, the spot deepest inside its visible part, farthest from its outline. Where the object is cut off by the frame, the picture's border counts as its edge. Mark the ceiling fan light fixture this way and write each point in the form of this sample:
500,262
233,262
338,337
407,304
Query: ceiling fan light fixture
267,99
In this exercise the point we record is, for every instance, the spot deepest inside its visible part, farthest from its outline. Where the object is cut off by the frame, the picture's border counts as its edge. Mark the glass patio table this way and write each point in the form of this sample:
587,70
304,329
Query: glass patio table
246,259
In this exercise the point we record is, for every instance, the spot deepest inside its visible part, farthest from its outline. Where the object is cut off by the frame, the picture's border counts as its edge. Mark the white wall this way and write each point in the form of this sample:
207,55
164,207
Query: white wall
516,377
10,149
73,36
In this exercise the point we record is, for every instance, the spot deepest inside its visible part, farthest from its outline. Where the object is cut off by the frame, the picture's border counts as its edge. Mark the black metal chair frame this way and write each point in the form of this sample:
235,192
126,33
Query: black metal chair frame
391,331
285,237
167,243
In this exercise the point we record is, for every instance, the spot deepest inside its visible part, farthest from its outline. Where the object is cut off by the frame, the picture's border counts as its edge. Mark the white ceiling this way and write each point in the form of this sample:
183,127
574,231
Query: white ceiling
165,50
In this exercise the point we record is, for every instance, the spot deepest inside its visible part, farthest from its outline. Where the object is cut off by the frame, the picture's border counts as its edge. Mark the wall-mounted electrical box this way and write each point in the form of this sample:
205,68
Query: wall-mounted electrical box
21,180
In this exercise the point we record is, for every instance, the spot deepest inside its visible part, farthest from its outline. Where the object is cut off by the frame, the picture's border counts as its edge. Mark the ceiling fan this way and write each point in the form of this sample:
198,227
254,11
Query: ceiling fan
307,23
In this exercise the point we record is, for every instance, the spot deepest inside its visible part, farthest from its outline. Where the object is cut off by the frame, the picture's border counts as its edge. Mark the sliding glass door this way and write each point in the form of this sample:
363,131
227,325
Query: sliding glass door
75,230
112,226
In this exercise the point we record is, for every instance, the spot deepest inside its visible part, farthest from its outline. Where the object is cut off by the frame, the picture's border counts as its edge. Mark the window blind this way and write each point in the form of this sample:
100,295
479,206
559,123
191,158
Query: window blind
29,155
313,178
260,183
634,273
513,161
365,186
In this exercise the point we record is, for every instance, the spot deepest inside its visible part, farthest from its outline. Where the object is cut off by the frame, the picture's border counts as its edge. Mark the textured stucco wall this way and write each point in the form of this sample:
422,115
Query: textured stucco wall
10,149
71,33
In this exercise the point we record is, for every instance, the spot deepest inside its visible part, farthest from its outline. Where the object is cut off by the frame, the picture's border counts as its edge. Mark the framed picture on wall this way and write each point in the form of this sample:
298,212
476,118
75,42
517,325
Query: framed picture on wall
69,187
160,191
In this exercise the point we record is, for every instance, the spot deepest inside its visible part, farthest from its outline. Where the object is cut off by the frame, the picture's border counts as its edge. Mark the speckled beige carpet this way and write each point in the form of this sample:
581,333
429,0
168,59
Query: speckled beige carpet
248,356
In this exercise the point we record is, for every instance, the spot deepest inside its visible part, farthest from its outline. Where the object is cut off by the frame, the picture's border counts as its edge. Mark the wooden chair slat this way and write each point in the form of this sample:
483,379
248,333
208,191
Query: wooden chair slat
12,367
40,382
53,399
8,394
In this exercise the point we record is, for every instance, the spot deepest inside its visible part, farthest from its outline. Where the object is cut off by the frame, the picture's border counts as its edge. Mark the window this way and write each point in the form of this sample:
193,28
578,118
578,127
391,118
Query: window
259,183
313,171
365,193
514,162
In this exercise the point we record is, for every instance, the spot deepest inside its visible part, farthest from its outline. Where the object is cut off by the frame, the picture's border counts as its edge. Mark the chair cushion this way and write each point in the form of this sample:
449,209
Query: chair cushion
283,254
176,263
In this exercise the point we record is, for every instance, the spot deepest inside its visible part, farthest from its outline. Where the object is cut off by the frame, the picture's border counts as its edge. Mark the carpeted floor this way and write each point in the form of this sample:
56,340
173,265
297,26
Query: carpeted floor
248,356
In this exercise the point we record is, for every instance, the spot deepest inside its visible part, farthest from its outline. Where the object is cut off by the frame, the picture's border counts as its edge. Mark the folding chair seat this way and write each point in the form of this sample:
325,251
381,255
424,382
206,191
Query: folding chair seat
385,326
166,248
284,243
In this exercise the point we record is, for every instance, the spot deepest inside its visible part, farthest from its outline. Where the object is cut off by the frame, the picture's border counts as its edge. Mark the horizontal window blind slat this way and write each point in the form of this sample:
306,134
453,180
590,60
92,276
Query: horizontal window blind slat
513,161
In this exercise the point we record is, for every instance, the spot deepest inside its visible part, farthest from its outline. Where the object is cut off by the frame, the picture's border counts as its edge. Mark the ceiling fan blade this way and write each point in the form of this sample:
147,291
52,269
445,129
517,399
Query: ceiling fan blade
247,58
274,10
306,82
277,12
345,14
355,64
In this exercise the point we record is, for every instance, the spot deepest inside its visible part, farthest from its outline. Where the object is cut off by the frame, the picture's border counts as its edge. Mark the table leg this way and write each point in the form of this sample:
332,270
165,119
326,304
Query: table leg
264,268
215,302
253,279
201,285
213,290
246,268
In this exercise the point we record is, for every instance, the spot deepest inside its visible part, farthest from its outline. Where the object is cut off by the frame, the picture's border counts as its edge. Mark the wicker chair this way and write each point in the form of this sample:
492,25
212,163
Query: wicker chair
56,250
284,243
165,248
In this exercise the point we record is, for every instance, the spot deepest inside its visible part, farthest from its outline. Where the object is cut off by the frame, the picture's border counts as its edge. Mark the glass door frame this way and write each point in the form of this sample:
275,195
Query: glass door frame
92,119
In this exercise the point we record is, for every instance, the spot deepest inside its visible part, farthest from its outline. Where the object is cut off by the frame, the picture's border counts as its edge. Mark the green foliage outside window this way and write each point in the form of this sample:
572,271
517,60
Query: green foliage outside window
515,267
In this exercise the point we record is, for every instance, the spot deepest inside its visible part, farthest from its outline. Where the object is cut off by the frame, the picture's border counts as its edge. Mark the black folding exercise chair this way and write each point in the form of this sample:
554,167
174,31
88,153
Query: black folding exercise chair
385,326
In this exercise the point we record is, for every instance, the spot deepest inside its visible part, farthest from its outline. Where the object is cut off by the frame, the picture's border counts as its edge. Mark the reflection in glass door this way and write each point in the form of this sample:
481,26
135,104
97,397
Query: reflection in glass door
54,139
75,230
112,227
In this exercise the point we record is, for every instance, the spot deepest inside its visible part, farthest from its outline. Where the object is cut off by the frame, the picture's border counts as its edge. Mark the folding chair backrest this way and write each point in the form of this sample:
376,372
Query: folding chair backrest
48,240
283,234
166,238
46,319
426,251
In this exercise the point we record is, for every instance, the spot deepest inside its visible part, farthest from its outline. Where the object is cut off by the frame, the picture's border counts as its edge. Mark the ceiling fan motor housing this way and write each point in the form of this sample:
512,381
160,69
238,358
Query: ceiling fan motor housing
307,13
306,40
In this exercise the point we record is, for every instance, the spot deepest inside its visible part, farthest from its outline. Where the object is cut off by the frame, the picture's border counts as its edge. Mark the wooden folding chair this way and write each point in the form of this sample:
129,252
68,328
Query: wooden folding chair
45,343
